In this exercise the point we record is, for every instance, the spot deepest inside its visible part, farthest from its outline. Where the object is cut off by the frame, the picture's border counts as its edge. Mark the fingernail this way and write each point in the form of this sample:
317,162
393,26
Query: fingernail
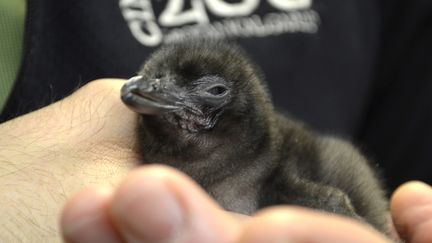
148,211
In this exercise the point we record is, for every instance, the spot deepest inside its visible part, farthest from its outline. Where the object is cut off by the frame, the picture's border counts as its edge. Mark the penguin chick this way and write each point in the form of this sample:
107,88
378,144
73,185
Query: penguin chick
205,110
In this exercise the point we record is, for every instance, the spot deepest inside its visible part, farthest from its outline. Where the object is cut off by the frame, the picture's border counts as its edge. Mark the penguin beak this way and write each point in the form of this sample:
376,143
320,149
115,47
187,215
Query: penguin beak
149,97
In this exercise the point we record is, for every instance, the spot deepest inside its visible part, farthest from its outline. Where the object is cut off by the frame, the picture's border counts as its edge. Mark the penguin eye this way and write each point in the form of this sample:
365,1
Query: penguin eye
218,90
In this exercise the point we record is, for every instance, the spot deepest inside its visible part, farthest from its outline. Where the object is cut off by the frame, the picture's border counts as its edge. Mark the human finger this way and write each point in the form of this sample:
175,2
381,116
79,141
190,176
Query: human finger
159,204
294,224
85,218
411,207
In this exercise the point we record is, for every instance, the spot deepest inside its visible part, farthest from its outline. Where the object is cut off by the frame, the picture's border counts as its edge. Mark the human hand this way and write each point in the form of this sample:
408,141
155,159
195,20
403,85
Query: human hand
50,154
411,207
159,204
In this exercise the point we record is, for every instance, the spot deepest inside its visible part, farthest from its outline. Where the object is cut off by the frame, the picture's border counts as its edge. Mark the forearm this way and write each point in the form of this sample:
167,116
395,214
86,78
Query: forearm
50,154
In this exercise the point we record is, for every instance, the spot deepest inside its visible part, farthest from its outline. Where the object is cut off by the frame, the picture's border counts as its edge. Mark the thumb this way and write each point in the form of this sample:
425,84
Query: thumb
411,208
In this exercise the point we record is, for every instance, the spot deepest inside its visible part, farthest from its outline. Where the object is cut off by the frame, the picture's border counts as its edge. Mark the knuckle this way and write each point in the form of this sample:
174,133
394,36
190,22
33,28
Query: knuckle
95,86
98,87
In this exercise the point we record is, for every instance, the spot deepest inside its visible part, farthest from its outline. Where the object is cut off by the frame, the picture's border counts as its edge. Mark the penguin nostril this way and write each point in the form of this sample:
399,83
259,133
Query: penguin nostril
154,86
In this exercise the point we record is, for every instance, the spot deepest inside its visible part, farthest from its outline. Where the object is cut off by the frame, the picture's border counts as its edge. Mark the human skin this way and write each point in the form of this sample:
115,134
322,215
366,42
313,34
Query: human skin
49,155
159,204
87,141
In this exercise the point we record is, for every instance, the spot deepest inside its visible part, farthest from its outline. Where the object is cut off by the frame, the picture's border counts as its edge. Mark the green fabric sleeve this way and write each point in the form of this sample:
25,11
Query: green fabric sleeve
12,18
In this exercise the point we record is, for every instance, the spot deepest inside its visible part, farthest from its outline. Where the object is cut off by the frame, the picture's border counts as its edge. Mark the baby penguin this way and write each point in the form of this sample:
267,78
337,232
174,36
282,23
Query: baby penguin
205,109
